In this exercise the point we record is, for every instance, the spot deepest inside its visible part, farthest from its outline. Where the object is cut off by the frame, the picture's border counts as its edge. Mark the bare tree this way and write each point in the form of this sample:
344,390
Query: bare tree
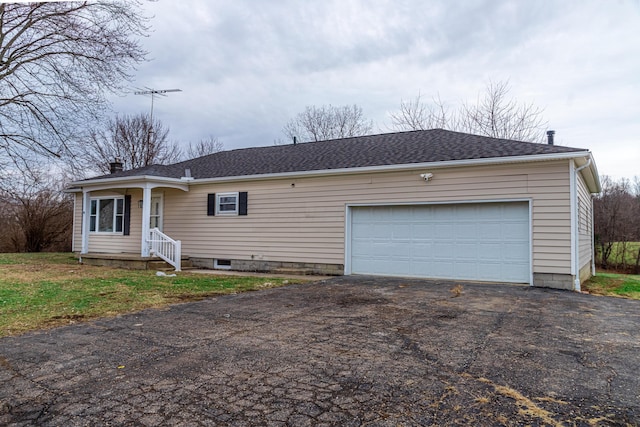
493,114
328,122
416,115
204,147
636,186
616,221
58,60
499,116
132,139
35,215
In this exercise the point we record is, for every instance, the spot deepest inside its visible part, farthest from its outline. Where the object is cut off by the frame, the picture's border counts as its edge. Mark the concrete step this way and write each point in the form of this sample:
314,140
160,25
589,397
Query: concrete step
162,265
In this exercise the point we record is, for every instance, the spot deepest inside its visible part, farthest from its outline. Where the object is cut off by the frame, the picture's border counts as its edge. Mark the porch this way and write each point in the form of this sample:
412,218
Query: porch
132,261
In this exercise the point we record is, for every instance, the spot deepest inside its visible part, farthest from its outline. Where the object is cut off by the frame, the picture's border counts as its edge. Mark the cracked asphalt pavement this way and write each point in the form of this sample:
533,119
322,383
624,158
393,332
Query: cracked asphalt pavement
348,351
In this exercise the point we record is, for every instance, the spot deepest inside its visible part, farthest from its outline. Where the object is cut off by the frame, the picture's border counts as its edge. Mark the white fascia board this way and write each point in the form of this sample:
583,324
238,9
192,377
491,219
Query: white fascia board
142,181
401,167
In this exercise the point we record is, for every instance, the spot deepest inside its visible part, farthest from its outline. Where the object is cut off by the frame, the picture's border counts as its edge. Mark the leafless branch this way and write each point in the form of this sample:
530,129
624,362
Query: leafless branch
204,147
58,60
133,139
328,122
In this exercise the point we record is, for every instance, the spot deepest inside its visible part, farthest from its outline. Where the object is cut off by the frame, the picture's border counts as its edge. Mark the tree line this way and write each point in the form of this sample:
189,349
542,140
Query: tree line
616,212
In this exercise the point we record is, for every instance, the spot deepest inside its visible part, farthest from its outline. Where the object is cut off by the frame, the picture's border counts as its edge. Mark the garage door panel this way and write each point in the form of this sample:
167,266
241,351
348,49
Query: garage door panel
514,230
467,230
402,231
484,241
515,251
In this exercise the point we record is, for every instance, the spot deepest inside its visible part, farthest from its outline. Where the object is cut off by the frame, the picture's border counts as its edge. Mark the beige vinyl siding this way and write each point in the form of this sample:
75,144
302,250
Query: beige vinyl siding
76,243
111,242
585,242
303,219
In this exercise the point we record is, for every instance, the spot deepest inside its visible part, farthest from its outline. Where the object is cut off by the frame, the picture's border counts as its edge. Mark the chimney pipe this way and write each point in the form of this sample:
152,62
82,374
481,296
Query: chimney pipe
550,134
295,140
116,165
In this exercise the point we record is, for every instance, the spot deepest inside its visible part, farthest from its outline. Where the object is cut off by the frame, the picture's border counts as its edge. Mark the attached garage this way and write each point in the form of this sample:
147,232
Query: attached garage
465,241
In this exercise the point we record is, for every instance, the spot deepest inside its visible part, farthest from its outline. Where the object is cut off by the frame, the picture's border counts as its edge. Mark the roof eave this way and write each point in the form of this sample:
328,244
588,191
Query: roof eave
590,174
124,181
400,167
591,177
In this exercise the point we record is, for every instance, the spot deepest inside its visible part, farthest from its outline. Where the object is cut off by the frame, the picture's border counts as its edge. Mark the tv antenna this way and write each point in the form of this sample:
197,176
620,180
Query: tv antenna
154,93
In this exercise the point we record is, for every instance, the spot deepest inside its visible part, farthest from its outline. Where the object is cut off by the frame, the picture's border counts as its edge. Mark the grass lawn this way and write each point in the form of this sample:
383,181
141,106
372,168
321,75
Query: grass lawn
45,290
613,284
617,253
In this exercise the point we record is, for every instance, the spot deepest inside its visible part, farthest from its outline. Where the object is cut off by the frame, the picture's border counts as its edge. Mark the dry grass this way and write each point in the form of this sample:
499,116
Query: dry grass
457,291
44,290
526,405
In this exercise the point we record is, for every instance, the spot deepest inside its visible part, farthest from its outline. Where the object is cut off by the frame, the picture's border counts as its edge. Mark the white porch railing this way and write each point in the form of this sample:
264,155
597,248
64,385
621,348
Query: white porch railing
165,247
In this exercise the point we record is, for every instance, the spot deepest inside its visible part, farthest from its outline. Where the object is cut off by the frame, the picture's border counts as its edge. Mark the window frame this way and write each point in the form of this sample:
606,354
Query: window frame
234,212
117,218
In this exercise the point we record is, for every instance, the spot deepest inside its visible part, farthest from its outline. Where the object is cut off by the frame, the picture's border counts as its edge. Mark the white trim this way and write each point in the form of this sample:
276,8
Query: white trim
146,211
115,214
401,167
146,178
347,238
227,194
573,202
217,266
530,242
575,223
593,242
128,182
160,210
348,220
73,226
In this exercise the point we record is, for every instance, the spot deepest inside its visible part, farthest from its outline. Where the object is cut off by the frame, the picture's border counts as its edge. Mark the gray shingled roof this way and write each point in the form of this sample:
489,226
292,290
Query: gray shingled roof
373,150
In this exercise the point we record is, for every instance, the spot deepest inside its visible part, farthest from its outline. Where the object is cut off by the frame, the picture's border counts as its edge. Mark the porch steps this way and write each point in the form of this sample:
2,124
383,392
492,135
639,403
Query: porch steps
161,265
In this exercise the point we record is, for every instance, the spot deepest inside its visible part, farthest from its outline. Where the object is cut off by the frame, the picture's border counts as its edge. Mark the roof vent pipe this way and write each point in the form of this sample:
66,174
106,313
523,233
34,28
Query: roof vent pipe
116,165
295,140
550,134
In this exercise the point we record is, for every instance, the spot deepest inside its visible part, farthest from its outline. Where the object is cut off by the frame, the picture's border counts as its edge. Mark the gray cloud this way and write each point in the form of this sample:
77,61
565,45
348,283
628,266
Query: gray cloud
246,67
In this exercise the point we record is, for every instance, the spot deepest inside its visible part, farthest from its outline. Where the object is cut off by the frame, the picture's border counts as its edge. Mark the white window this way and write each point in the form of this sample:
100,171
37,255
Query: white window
106,215
155,216
227,204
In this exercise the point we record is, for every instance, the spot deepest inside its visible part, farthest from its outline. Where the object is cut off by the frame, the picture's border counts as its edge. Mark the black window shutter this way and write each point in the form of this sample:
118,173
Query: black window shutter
242,203
126,226
211,204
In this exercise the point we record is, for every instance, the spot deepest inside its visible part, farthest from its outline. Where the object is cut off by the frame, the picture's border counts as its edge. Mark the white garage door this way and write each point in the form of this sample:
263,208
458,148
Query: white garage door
483,241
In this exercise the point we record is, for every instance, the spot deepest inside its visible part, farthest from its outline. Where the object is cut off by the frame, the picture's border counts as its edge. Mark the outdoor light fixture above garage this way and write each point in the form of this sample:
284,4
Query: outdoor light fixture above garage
426,176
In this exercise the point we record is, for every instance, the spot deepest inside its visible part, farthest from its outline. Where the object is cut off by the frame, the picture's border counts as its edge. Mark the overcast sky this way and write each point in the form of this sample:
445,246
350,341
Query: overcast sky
246,67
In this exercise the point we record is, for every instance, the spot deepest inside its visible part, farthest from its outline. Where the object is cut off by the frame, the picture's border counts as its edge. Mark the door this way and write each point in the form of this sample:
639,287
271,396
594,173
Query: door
155,219
474,241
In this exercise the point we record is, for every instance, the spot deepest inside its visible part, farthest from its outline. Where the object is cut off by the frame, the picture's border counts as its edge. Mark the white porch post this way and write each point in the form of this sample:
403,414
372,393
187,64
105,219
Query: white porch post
86,220
146,215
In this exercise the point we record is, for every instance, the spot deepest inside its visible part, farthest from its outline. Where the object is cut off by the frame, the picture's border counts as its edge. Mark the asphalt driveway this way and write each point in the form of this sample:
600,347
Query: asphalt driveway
346,351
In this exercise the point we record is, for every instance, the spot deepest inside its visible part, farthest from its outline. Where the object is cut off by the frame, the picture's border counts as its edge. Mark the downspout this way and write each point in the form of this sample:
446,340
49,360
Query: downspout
593,242
576,284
